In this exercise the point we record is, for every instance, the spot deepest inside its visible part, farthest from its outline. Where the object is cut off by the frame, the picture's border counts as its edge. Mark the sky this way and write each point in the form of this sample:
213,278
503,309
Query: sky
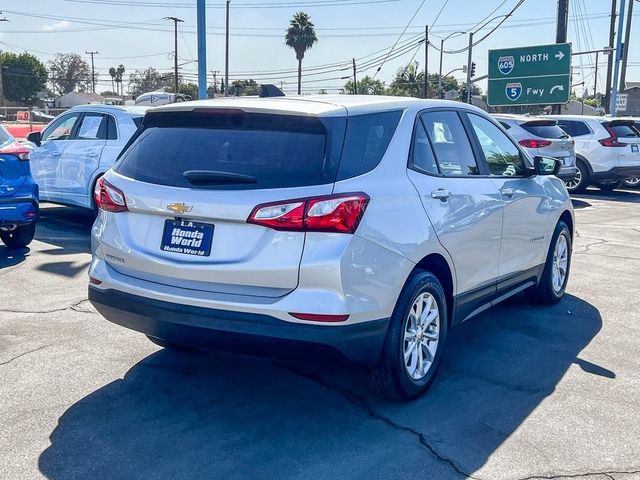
136,34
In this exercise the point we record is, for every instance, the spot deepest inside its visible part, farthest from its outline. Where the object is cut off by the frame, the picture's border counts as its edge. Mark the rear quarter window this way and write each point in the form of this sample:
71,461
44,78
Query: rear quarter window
366,141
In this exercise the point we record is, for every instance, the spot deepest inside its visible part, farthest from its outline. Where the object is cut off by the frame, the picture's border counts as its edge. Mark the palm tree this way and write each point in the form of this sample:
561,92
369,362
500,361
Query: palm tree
300,36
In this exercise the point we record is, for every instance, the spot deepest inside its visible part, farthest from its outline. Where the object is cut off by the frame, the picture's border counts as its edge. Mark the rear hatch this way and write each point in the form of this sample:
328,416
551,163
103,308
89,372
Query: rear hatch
190,230
627,141
14,170
548,139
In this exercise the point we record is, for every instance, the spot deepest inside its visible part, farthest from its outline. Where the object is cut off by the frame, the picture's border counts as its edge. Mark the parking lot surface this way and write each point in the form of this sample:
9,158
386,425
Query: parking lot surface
525,391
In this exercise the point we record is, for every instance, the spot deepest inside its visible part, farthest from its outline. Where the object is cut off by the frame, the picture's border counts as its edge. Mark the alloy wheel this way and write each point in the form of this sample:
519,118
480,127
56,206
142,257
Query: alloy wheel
421,335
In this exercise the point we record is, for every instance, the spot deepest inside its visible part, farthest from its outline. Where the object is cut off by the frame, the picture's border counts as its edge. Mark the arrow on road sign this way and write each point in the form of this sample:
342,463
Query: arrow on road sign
556,87
559,55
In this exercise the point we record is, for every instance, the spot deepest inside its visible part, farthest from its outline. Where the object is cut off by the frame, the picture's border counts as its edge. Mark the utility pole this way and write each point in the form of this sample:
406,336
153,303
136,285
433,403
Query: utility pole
440,92
202,49
595,78
2,19
425,93
93,71
175,53
355,80
561,35
627,46
469,61
226,56
612,35
616,66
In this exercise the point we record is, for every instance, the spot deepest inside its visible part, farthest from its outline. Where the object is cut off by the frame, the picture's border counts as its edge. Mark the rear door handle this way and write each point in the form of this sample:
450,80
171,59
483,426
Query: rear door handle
92,154
508,192
55,154
441,194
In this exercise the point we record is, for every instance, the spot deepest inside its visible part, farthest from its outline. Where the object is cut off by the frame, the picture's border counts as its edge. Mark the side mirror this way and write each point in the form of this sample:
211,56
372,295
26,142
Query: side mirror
35,137
546,166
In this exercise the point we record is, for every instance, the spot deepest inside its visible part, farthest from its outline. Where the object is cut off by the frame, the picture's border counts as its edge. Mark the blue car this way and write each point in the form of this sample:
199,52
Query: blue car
18,193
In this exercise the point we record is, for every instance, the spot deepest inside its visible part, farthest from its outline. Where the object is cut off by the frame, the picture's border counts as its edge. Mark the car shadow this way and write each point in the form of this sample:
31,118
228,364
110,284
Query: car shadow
200,415
626,196
10,257
579,203
67,229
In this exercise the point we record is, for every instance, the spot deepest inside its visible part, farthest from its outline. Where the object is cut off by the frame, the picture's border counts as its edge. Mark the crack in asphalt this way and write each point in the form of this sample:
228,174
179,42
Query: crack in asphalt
360,402
75,307
25,353
609,474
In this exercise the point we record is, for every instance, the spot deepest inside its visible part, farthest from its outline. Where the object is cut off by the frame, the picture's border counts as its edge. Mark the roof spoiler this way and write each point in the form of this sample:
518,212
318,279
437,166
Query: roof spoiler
270,90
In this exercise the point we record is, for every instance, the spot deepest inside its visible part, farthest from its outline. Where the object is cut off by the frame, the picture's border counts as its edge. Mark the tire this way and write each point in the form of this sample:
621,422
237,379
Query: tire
608,187
391,373
546,292
582,179
632,182
168,345
20,237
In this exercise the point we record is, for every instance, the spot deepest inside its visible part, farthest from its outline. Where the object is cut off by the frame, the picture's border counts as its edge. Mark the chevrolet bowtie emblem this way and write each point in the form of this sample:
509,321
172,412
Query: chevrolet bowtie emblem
179,208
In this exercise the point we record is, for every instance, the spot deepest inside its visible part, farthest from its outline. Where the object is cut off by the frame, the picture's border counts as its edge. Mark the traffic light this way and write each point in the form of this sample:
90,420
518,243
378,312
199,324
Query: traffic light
473,69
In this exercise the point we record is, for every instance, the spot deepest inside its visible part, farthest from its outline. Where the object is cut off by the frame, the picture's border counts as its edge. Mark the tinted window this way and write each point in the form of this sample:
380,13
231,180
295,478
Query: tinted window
623,130
502,156
5,137
505,125
366,141
421,153
544,130
93,126
574,128
112,129
61,128
450,144
137,121
278,150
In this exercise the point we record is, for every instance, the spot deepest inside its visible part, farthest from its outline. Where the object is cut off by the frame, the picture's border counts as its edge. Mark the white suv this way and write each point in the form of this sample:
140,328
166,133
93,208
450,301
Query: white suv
361,226
607,150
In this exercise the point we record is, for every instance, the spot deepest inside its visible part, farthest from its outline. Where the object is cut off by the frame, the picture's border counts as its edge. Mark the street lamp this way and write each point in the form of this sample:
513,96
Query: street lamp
441,52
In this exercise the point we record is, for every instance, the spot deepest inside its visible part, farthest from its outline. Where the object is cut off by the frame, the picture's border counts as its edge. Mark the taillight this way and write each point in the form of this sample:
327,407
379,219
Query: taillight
332,213
612,141
16,149
109,198
531,143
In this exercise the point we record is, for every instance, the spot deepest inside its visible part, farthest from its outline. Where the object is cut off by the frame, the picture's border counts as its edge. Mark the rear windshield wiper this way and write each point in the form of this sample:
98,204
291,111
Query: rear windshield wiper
212,177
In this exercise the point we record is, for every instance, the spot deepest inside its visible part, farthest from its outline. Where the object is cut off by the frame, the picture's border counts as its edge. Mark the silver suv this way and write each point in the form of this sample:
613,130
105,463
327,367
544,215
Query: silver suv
542,136
360,226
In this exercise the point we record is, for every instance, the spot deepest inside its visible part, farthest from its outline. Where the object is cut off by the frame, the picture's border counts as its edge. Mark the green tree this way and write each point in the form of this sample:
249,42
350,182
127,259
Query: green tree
448,83
23,77
408,82
190,89
300,36
244,87
68,72
366,86
148,80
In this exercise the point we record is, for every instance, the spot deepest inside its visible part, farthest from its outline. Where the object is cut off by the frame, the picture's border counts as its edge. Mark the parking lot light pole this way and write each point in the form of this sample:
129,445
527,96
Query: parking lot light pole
616,66
202,49
226,55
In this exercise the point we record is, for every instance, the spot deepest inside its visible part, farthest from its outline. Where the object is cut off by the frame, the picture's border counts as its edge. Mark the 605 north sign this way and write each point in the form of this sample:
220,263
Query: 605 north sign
538,75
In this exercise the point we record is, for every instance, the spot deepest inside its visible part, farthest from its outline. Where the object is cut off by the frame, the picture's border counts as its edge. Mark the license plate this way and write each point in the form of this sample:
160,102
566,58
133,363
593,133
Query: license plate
634,149
185,236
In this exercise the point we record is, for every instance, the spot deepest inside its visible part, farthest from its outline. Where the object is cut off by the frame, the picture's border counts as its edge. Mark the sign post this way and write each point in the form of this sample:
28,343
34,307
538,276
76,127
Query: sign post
538,75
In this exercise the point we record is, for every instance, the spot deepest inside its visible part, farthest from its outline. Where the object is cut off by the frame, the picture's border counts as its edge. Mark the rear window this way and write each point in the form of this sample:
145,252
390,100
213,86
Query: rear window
574,128
5,137
544,130
278,151
137,121
624,130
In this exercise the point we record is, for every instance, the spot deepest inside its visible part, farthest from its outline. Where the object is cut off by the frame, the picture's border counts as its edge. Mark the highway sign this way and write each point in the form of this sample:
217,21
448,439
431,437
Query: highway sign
538,75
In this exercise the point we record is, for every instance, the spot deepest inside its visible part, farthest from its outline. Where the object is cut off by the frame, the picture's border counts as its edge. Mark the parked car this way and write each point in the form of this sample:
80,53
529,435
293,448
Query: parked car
77,147
607,150
18,193
541,136
635,181
360,225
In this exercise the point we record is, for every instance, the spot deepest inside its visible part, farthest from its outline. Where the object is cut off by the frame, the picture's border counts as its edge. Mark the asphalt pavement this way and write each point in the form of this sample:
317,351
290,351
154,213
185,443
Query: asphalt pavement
525,391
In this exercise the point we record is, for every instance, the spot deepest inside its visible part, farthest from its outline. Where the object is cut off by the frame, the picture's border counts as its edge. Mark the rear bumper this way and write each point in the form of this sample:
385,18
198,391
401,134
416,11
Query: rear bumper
238,332
18,211
618,173
567,173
